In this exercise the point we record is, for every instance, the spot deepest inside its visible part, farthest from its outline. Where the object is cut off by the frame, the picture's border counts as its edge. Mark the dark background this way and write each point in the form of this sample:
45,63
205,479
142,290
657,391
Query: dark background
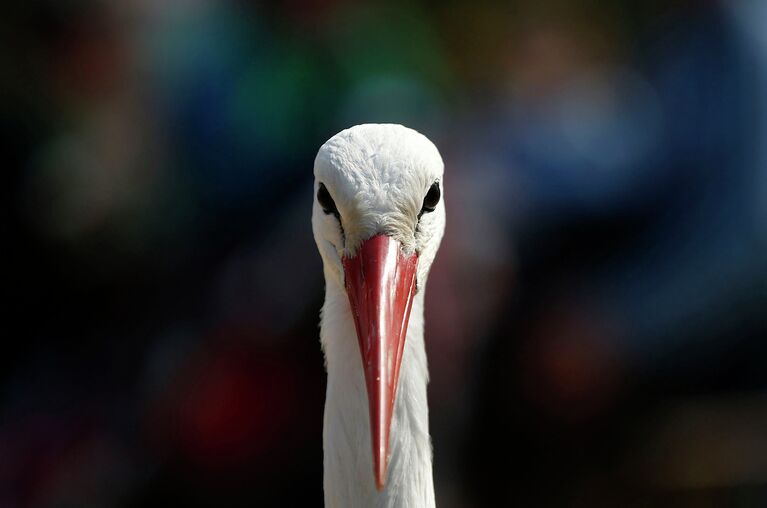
596,316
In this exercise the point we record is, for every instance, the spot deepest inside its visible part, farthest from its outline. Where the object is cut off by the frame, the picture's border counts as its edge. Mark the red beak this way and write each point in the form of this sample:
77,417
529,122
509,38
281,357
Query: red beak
380,282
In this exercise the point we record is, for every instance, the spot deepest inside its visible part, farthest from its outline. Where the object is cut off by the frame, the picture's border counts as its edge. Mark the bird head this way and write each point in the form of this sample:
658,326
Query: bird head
378,219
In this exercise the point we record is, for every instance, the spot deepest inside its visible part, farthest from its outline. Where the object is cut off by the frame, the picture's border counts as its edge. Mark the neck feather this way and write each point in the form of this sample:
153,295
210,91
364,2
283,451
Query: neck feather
347,445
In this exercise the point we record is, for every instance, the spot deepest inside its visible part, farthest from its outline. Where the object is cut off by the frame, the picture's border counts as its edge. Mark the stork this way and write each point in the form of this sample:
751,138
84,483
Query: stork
378,219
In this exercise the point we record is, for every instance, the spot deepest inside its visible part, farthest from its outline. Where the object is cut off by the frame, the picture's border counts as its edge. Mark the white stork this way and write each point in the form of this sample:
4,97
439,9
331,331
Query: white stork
378,219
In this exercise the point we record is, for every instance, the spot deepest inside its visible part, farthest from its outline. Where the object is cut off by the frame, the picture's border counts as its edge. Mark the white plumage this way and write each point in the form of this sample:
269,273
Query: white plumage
378,176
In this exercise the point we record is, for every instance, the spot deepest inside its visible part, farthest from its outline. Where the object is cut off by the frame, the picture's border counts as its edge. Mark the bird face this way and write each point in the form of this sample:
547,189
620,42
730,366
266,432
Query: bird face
378,219
378,180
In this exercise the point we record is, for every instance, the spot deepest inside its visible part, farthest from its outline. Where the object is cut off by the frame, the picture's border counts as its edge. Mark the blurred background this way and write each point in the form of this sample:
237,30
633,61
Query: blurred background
596,317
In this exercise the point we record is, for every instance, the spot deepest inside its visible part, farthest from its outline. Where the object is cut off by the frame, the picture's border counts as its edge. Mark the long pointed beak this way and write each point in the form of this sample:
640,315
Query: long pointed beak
380,283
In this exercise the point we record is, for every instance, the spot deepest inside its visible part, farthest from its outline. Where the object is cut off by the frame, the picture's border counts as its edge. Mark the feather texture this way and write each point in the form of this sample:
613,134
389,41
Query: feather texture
349,477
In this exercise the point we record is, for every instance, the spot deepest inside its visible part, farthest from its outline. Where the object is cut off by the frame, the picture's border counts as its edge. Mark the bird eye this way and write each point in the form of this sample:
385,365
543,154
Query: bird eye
431,200
326,201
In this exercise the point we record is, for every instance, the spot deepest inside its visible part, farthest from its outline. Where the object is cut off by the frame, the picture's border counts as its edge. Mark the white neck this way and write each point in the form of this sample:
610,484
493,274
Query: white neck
348,461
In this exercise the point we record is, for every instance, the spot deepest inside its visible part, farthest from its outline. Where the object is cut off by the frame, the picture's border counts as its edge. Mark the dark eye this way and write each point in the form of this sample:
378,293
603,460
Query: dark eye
431,200
326,201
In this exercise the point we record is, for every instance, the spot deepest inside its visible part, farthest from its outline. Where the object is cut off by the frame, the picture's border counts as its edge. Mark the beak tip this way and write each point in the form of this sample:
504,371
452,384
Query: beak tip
380,465
380,476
